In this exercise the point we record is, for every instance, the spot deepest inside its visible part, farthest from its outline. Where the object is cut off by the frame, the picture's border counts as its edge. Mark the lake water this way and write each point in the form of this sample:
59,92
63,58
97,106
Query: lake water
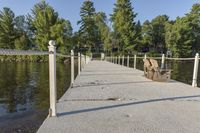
24,90
24,93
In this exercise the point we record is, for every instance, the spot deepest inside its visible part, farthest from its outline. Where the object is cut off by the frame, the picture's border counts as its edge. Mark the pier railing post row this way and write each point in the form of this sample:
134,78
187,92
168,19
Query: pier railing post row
163,61
52,78
135,59
195,72
79,63
72,68
128,61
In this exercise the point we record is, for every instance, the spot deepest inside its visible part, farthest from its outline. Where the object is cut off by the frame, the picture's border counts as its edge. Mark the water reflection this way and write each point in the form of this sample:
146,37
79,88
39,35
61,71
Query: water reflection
25,86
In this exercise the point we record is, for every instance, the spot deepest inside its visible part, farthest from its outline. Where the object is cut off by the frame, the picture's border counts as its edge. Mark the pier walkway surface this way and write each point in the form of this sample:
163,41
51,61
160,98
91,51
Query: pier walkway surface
109,98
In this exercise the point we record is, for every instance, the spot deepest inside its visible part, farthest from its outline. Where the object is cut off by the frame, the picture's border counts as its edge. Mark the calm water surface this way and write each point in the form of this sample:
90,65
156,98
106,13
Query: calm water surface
24,93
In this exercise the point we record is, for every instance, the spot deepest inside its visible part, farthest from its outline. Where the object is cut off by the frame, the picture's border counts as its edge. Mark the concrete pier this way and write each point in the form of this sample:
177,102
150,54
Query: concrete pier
110,98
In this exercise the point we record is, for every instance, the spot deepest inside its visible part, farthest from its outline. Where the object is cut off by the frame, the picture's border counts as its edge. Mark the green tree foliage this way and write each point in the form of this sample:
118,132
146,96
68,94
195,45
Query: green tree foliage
46,25
88,32
138,36
154,33
183,36
147,30
101,21
158,34
7,31
124,25
193,20
178,39
22,40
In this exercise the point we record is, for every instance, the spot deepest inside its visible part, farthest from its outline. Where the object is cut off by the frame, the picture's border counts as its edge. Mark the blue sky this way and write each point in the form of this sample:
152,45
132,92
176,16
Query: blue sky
69,9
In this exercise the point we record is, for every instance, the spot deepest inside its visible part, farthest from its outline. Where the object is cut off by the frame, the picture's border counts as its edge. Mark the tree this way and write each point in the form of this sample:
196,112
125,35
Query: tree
147,30
178,38
101,21
193,20
62,32
42,19
7,32
158,33
22,40
46,25
88,29
138,36
124,25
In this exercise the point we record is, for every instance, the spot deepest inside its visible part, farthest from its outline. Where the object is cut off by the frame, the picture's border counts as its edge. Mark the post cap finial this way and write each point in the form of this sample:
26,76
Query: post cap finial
197,54
52,43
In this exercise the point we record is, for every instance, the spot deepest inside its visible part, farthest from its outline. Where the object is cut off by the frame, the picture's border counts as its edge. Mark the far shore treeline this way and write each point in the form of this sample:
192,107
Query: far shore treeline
117,34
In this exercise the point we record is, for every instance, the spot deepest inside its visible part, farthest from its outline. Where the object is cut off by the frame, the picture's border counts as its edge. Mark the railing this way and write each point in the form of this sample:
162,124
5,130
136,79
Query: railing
117,59
82,60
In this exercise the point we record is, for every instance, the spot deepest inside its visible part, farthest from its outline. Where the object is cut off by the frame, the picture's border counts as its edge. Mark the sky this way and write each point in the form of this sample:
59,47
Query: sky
69,9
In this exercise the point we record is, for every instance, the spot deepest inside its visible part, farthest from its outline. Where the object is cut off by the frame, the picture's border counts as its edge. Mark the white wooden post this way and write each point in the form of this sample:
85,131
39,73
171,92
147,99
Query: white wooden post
72,68
135,57
52,78
79,63
119,60
163,61
102,56
85,56
123,60
128,61
195,73
145,56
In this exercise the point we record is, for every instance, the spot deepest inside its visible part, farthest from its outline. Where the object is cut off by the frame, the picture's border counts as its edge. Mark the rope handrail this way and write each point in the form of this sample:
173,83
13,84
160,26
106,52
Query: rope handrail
61,55
28,52
22,52
179,58
156,58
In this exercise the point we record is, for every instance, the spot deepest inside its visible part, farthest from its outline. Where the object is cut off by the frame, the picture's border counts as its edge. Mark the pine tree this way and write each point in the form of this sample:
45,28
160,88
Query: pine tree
193,20
147,30
123,24
42,19
7,32
158,33
22,40
46,25
178,38
88,29
101,21
138,36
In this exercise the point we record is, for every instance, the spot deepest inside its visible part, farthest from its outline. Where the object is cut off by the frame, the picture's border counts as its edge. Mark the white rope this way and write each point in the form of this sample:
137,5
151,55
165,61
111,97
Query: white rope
161,58
180,58
22,52
61,55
